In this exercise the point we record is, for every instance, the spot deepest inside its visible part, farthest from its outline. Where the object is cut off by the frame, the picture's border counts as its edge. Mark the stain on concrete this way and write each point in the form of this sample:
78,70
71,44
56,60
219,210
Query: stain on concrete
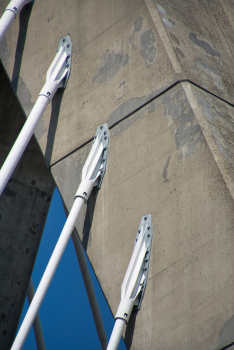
182,123
203,44
212,75
138,24
161,9
143,41
179,53
4,53
226,334
126,123
148,51
111,62
220,118
174,38
165,170
130,106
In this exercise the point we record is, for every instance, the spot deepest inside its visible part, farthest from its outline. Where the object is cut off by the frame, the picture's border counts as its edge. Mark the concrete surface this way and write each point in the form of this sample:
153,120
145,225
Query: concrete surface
159,163
161,75
23,209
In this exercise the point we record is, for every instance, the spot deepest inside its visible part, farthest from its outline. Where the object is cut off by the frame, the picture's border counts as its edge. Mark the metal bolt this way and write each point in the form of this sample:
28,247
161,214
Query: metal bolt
145,218
48,93
136,239
105,137
145,269
67,65
139,231
15,8
104,149
148,235
101,126
68,45
148,227
63,40
146,260
84,194
103,161
104,132
68,56
125,315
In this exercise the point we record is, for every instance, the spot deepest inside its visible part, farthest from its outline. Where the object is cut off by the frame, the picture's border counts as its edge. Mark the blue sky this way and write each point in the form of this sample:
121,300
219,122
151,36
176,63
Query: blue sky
65,313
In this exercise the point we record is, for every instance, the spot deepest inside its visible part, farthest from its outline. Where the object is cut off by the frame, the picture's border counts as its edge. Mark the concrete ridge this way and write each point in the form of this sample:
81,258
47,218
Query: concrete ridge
142,106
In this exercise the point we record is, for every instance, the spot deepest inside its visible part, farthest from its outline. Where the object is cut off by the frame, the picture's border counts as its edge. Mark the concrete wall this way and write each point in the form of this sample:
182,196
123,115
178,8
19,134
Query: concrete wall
23,209
161,75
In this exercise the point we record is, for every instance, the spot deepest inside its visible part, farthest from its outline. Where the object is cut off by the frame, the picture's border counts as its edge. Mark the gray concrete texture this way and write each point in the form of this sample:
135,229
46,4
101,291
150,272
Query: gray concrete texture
159,163
161,75
23,209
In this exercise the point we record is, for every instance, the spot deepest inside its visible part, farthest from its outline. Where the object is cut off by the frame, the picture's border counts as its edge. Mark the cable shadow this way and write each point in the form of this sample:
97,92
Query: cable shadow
56,103
89,219
23,27
130,330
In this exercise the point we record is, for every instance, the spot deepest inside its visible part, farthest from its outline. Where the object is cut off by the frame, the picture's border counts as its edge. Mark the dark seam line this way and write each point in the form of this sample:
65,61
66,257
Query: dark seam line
139,108
227,346
67,155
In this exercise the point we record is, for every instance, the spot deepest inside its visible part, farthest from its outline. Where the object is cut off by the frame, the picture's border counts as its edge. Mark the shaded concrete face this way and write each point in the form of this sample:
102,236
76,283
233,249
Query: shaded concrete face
160,163
23,209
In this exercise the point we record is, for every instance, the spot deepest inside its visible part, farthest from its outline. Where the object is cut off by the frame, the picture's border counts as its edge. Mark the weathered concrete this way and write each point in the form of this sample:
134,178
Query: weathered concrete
161,75
23,209
159,163
117,64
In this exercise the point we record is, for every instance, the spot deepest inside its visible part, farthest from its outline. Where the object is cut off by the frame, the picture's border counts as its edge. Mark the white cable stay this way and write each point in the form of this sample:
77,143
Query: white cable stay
57,77
134,283
10,13
92,176
37,329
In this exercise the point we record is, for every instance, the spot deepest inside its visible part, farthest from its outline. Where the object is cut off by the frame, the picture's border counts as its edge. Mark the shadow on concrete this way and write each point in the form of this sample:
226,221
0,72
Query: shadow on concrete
23,27
89,219
130,330
56,103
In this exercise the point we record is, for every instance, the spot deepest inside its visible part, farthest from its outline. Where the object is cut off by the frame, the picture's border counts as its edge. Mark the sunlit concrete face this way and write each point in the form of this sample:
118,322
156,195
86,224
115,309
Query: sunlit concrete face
23,209
118,63
159,162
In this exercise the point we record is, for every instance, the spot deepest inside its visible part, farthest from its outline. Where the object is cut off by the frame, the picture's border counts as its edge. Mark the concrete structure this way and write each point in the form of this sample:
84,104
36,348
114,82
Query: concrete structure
23,209
161,75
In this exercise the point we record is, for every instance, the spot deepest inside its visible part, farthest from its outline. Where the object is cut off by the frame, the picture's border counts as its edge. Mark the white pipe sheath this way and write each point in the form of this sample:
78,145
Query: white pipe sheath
92,175
38,334
56,77
25,135
116,334
90,290
48,274
10,13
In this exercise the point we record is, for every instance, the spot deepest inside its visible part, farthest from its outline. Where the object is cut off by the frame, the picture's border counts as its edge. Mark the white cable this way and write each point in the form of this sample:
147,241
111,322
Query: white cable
48,275
90,290
116,334
12,10
22,141
38,334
